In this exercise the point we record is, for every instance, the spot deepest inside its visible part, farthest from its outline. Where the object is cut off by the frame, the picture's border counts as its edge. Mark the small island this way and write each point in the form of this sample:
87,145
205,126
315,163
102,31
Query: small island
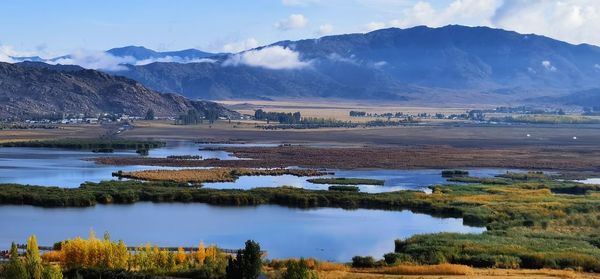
347,181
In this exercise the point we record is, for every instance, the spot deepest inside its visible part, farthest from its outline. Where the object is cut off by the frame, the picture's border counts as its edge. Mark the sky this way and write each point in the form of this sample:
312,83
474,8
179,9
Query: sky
58,27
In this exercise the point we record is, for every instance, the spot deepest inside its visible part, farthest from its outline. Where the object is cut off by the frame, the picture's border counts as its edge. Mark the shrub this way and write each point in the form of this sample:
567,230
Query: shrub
363,262
298,270
394,258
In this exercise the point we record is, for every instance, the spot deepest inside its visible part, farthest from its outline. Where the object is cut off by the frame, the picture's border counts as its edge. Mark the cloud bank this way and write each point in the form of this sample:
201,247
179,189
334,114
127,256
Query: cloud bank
240,46
273,57
99,60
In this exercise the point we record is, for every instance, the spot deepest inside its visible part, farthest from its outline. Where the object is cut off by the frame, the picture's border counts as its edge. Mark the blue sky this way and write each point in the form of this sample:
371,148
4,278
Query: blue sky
63,26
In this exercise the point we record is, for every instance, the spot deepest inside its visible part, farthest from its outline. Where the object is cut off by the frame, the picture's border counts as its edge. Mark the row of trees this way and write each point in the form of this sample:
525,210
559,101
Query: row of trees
31,266
281,117
105,254
193,117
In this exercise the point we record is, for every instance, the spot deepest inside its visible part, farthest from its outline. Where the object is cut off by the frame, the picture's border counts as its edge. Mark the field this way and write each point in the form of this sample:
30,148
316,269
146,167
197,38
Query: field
338,110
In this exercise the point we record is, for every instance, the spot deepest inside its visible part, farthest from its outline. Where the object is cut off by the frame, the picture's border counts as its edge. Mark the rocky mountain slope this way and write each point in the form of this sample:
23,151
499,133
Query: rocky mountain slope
35,90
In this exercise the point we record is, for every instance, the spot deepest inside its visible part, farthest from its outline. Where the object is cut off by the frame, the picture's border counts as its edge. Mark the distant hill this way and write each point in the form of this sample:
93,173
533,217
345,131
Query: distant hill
31,89
142,53
452,63
585,98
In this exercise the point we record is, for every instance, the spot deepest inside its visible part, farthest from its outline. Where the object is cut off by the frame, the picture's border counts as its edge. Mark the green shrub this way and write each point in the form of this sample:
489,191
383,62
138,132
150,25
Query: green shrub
363,262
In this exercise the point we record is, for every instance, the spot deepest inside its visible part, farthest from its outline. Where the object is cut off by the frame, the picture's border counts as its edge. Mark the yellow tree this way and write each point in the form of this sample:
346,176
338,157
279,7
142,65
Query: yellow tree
33,260
180,255
121,255
201,255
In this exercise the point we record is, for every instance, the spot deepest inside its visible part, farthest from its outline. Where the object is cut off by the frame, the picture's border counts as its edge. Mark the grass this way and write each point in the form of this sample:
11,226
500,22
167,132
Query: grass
438,269
548,119
346,181
87,144
210,175
528,224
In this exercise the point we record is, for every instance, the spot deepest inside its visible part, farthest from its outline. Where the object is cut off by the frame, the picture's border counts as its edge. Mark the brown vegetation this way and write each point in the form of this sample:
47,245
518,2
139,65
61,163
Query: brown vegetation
210,175
389,158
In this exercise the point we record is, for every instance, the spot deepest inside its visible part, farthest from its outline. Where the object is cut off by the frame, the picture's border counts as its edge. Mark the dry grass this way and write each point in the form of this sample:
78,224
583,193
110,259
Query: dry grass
337,109
477,274
439,269
211,175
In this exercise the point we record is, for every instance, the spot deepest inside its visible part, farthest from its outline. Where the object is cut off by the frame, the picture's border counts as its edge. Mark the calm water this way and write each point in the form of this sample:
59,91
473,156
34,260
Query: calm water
328,234
589,181
68,168
394,180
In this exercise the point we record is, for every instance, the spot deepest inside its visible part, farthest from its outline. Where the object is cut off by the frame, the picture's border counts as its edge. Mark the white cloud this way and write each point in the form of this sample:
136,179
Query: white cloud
574,21
294,21
548,66
464,12
273,57
97,60
597,66
338,58
174,59
372,26
379,64
325,29
5,53
240,46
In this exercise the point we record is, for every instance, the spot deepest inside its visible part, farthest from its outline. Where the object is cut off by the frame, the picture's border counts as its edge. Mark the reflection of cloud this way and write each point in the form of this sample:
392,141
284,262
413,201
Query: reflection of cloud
294,21
274,57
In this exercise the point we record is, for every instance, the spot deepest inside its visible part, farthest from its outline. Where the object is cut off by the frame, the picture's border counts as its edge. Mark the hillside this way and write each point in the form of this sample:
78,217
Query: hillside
33,90
420,63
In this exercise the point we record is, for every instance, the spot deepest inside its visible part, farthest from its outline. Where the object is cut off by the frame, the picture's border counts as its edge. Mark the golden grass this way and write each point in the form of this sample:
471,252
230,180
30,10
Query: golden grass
438,269
477,274
211,175
331,266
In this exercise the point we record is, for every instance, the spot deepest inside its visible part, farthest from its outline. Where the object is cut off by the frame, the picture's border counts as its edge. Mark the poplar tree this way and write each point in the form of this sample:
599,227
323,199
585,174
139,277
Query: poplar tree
16,268
33,260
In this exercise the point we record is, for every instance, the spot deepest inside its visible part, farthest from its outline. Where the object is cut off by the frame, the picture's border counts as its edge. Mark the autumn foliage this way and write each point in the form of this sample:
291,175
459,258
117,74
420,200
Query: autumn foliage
114,255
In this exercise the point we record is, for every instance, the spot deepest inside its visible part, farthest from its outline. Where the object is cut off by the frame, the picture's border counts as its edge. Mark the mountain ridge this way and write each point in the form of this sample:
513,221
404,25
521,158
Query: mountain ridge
36,90
400,64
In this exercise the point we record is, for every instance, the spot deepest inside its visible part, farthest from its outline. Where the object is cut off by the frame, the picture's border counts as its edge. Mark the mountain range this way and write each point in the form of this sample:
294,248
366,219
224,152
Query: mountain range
34,88
454,63
142,53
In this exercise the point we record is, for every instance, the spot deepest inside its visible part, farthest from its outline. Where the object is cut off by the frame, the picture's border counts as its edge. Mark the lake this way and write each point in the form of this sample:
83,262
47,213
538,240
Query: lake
324,233
69,168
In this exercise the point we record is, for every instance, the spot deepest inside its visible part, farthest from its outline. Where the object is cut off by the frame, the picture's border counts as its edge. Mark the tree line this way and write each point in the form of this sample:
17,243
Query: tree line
79,258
